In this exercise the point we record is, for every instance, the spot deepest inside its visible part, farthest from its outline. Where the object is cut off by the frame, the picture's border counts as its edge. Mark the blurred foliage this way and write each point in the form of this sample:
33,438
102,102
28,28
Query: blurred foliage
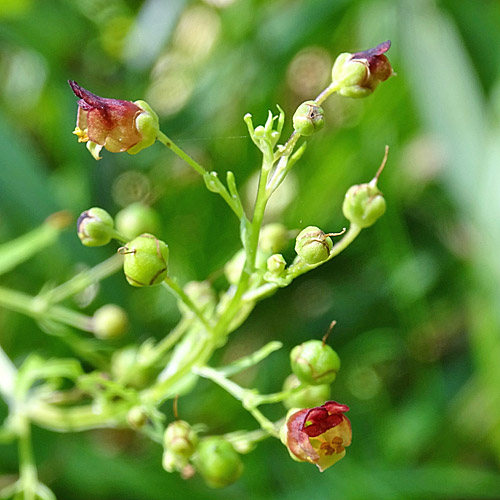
416,298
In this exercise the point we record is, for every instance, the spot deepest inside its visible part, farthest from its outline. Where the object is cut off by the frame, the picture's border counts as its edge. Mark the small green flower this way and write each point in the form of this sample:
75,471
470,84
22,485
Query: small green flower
308,118
95,227
145,261
314,362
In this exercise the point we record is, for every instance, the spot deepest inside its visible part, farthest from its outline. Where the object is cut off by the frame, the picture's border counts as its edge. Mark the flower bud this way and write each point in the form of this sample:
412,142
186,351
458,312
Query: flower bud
357,75
273,237
218,462
95,227
172,462
309,396
127,369
180,439
137,219
363,204
313,245
137,417
235,265
110,322
145,260
308,118
314,362
113,124
202,295
318,435
276,264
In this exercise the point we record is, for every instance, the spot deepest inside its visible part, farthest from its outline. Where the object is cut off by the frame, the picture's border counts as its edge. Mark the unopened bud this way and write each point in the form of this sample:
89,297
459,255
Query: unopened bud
137,219
314,362
218,462
110,322
313,245
201,294
276,264
273,237
180,439
309,396
145,260
95,227
137,417
308,118
363,205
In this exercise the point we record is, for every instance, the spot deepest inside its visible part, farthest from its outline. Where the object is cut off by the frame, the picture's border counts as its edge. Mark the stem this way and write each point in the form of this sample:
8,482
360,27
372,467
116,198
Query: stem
169,341
8,374
39,308
180,153
246,396
84,279
27,469
332,88
171,285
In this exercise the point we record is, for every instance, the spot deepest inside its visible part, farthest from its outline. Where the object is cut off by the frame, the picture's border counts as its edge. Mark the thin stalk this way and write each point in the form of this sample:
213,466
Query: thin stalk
172,286
84,279
38,308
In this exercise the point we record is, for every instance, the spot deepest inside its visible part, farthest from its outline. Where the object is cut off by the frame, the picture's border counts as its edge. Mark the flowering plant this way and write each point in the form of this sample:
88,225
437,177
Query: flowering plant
126,389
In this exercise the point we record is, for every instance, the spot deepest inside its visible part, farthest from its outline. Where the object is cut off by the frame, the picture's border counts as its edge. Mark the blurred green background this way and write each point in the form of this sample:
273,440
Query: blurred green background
416,297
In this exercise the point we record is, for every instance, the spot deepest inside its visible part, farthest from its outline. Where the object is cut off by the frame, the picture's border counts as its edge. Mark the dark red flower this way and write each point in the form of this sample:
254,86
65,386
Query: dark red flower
358,74
113,124
319,435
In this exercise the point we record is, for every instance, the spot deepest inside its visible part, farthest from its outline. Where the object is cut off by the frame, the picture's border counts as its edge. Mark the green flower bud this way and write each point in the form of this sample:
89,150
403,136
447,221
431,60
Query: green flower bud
313,245
308,118
218,463
137,219
137,417
273,237
172,462
364,204
234,266
276,264
95,227
180,439
127,369
145,260
314,362
308,397
110,322
203,296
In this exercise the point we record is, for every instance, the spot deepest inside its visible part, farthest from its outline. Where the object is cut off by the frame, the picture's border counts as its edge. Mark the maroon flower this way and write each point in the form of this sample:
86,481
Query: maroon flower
358,74
319,435
113,124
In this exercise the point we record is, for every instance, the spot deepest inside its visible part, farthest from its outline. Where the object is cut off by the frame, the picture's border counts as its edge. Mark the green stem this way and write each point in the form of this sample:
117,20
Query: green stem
28,478
84,279
295,270
78,418
169,341
180,153
332,88
8,374
39,308
171,285
246,396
